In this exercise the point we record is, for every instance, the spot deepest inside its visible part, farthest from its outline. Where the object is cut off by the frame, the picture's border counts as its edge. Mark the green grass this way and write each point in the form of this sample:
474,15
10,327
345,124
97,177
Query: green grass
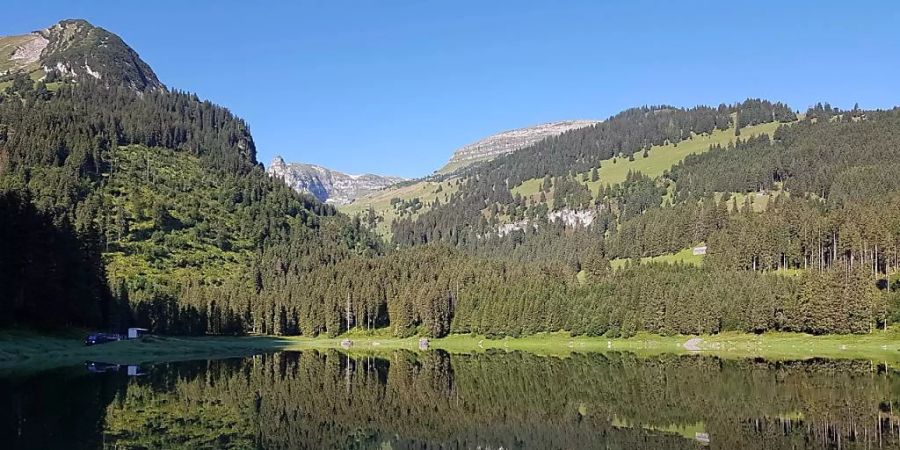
659,159
27,351
684,256
687,431
758,201
191,195
8,45
380,201
878,345
452,166
663,157
532,188
687,256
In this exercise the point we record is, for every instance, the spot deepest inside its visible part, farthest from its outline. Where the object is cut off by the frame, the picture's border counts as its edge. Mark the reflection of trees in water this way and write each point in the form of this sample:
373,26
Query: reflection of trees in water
426,400
314,399
63,408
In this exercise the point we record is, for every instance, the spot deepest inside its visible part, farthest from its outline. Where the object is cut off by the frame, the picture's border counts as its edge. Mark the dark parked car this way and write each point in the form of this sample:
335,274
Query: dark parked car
101,338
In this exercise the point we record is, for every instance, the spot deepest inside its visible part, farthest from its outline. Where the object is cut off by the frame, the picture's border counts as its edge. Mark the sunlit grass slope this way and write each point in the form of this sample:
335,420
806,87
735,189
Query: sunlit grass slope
659,159
380,201
202,240
684,256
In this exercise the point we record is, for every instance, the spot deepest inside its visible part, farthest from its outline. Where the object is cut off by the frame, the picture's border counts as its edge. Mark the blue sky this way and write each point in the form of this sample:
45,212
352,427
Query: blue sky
395,86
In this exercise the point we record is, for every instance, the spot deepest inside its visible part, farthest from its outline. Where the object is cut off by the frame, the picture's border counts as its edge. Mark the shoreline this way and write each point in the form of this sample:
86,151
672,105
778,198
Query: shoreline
877,346
24,350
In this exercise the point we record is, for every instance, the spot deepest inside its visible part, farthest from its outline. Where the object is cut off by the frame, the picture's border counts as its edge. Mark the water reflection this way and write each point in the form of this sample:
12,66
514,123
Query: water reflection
435,400
103,367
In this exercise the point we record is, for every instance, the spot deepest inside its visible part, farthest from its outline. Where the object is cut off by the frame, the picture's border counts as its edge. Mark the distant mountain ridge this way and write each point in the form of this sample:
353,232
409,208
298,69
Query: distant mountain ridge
75,49
509,141
328,185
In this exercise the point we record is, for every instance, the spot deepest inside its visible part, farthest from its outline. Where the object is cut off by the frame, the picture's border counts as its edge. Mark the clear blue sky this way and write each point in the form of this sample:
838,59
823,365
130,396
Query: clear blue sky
395,86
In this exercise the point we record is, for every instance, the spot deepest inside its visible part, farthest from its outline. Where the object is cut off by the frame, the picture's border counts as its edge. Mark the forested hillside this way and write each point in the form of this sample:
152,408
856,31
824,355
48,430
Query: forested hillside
827,176
127,204
488,195
167,188
829,207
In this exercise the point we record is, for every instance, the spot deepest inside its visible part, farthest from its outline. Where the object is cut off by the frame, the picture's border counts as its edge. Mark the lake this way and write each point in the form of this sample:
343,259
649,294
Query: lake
420,400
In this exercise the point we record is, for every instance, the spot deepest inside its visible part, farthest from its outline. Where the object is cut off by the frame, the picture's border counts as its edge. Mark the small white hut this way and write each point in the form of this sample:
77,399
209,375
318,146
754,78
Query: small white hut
134,333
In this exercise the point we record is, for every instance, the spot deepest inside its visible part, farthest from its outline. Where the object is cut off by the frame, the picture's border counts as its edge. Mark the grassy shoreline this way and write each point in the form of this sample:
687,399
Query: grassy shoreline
23,350
878,345
30,351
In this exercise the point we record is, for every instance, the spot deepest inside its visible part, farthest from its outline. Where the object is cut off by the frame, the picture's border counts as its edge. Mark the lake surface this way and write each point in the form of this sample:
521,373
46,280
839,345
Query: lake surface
406,400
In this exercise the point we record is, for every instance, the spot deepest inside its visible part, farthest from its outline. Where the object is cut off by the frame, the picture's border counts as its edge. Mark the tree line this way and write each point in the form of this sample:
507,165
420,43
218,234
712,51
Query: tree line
436,291
50,273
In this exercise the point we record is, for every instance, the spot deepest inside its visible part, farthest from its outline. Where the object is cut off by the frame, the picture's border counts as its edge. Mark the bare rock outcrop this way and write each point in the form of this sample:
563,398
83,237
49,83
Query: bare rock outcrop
510,141
328,185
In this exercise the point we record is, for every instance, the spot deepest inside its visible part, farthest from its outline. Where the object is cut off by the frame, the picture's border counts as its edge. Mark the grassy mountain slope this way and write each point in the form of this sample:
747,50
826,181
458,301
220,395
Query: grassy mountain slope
399,201
8,47
660,158
170,221
684,256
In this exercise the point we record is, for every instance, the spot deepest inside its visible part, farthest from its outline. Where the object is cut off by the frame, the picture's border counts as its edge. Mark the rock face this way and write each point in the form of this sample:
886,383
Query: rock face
570,218
328,185
75,49
510,141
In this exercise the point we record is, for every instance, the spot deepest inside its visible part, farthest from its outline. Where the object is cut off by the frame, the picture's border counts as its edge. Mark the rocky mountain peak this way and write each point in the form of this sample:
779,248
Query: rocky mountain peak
75,49
278,163
328,185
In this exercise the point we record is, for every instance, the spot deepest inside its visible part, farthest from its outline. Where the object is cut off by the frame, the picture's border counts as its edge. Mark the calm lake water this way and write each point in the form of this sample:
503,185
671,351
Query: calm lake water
408,400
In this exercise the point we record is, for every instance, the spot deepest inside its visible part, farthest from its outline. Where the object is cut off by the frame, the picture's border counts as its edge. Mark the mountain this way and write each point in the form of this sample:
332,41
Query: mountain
75,49
508,142
328,185
629,152
124,203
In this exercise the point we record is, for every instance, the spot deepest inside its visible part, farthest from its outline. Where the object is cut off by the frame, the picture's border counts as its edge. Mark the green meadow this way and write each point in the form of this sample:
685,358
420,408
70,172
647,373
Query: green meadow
25,350
684,256
659,159
380,201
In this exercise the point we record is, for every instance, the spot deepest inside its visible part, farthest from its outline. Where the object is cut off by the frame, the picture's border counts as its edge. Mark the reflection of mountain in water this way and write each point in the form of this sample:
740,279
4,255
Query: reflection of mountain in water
432,399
